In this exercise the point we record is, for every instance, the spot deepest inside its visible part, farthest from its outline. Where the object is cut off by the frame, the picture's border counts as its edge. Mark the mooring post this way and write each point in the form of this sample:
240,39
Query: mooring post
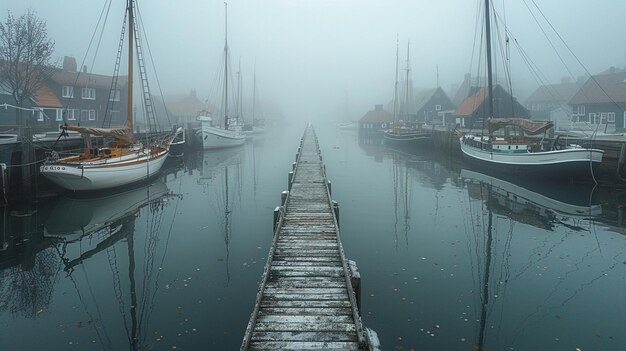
355,280
297,156
622,159
290,179
283,198
330,190
3,167
277,213
293,166
336,210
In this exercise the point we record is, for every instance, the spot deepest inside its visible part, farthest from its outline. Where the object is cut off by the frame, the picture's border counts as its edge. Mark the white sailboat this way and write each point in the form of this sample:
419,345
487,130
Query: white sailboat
124,160
519,154
212,136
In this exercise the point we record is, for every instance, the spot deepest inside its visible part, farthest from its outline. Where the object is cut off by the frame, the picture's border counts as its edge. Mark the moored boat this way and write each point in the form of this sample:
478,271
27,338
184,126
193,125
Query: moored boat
518,153
521,154
123,160
404,133
214,137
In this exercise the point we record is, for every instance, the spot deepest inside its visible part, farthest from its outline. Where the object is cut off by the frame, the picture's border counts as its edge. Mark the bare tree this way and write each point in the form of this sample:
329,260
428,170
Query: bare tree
25,53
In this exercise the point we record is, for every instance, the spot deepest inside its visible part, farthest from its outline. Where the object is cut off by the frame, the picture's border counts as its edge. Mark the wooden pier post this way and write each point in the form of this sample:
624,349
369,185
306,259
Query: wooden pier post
283,197
621,160
278,211
336,210
289,180
355,279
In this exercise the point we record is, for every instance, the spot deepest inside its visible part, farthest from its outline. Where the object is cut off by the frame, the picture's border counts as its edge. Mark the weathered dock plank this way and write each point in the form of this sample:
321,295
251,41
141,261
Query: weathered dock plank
306,300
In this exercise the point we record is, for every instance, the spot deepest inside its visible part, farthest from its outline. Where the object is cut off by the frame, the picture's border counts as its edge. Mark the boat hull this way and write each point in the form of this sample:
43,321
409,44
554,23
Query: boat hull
559,197
577,162
217,138
112,173
410,138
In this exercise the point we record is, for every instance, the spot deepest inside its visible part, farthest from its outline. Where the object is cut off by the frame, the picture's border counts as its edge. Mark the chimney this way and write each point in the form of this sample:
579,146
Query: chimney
378,107
69,64
85,69
565,80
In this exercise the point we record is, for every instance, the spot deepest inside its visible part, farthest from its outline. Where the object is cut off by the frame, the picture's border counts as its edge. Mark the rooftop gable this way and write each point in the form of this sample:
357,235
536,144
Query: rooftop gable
602,88
82,79
559,93
377,115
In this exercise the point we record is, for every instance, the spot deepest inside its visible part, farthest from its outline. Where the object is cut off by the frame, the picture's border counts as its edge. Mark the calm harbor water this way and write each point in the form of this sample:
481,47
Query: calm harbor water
450,258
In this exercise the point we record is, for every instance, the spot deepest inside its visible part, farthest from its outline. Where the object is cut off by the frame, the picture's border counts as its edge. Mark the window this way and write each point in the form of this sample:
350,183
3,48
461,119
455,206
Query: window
89,93
92,115
115,116
59,114
114,95
603,117
437,107
84,114
71,114
579,110
40,116
611,117
68,91
593,118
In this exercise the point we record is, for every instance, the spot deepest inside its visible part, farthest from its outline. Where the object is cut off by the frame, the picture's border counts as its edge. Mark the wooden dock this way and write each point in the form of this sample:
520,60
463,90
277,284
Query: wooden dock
306,298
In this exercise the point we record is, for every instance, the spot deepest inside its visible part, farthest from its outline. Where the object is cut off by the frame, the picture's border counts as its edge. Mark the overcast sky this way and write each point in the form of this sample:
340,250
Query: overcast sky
314,55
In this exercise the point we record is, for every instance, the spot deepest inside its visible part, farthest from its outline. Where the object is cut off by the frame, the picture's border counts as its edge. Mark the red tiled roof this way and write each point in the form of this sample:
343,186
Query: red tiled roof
602,88
45,97
470,104
377,115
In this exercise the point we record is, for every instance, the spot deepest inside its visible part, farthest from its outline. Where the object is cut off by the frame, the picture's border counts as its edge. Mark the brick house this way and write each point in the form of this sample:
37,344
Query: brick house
88,98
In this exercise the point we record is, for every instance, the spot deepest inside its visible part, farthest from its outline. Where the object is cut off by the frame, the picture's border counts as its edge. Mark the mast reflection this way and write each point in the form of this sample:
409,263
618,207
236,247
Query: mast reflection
221,180
99,224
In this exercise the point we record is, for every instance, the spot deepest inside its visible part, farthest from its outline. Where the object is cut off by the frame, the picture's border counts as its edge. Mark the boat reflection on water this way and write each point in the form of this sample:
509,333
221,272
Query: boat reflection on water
493,250
541,204
99,227
221,181
72,218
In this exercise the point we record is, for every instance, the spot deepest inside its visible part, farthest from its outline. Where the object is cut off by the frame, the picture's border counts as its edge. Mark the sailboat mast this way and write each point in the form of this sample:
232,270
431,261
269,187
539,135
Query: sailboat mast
225,65
485,291
239,95
406,93
395,91
254,93
131,26
134,337
489,73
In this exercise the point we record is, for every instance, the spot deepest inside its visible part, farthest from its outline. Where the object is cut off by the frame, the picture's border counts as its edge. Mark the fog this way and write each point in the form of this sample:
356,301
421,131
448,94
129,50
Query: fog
321,59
